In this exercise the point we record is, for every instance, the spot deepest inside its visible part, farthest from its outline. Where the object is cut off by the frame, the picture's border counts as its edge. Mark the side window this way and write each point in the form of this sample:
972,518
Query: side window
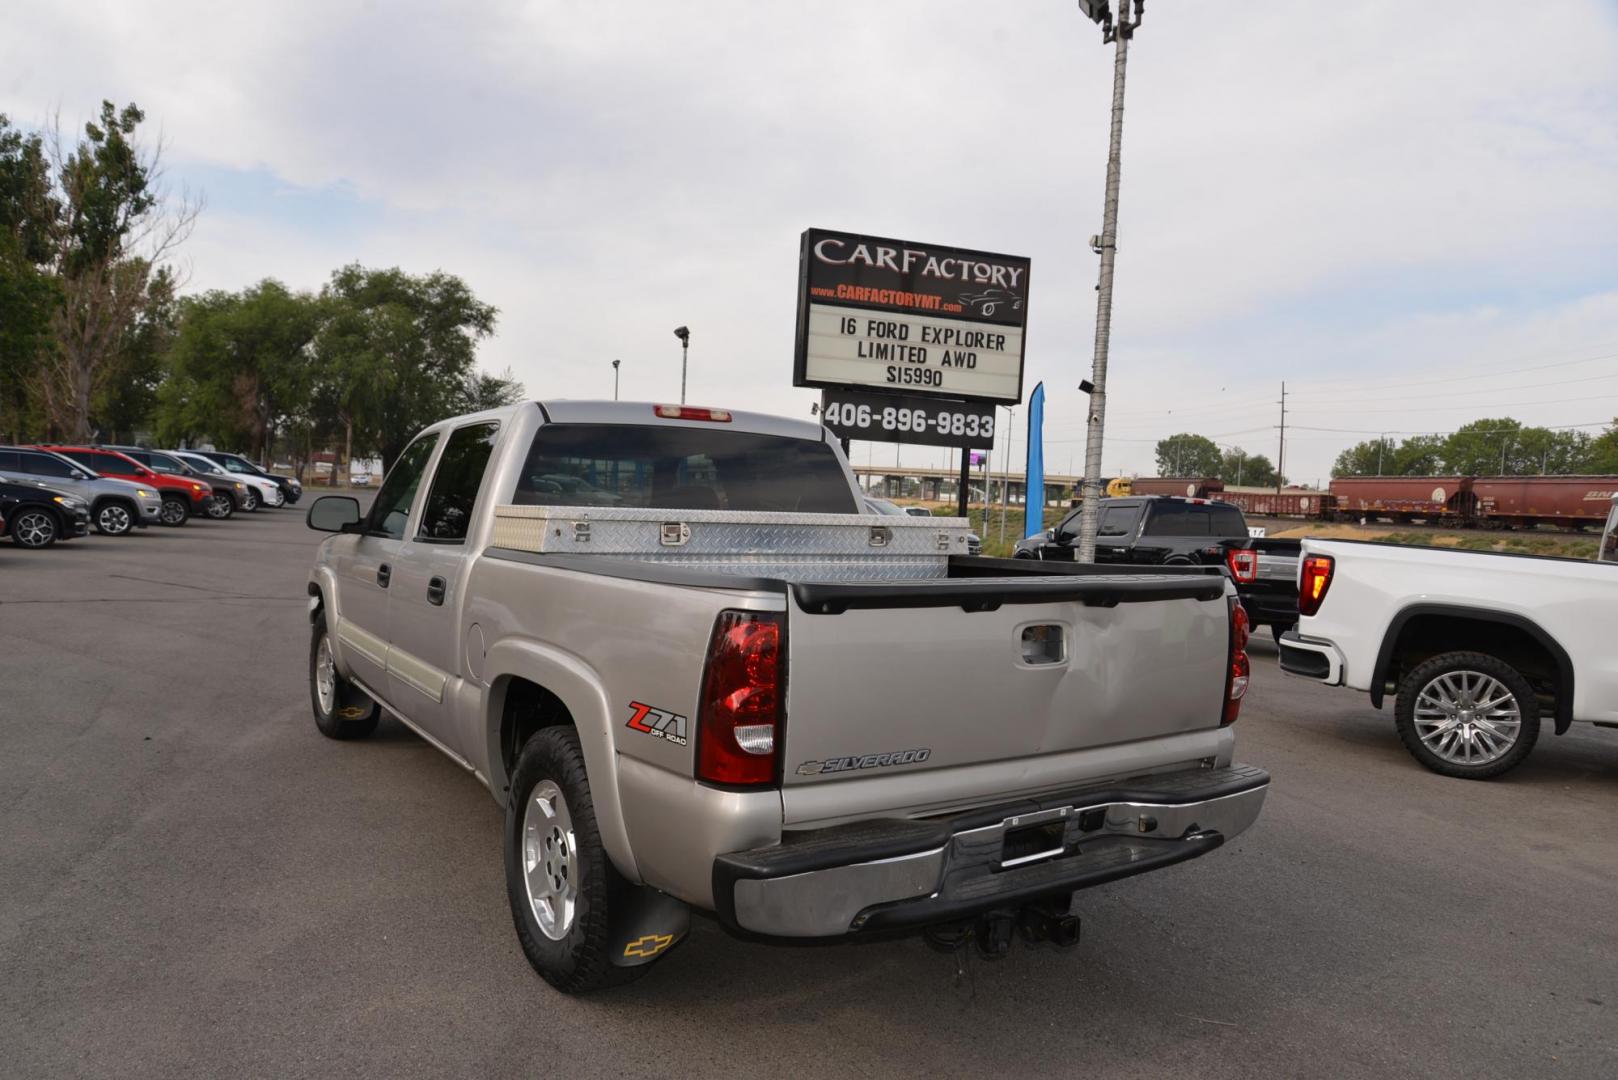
392,507
161,462
1069,526
456,483
9,461
1167,517
139,455
45,465
1116,521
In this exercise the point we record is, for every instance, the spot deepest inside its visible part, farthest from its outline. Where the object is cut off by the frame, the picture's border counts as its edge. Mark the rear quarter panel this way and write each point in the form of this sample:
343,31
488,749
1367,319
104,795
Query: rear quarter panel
606,646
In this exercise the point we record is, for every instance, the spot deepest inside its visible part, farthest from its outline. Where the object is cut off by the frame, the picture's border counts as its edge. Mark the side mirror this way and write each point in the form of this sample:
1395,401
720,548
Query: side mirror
1050,534
335,514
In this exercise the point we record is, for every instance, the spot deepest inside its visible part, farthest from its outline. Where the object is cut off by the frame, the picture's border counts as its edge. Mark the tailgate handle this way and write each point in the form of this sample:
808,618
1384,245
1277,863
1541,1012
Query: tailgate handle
435,590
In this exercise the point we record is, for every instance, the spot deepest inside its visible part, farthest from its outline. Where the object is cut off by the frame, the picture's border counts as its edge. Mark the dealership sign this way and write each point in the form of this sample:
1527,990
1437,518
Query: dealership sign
909,318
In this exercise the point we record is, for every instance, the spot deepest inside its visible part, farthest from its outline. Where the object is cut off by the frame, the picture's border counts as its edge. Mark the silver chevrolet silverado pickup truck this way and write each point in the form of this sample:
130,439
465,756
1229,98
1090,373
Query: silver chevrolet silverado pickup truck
697,677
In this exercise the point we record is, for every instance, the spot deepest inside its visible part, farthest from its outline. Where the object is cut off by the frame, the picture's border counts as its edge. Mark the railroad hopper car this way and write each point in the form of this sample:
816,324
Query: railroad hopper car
1526,501
1299,504
1435,499
1192,487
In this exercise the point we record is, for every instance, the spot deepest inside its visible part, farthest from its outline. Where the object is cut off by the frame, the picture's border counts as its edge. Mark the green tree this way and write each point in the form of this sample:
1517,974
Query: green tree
1481,448
244,365
1188,455
1238,467
397,351
481,390
113,231
28,294
1602,454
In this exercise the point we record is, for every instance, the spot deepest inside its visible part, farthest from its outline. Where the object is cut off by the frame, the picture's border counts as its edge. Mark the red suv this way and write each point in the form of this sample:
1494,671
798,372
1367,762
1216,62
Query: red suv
182,496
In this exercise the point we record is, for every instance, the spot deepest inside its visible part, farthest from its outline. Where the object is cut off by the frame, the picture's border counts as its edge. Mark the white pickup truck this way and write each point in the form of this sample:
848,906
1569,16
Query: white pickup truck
698,678
1478,646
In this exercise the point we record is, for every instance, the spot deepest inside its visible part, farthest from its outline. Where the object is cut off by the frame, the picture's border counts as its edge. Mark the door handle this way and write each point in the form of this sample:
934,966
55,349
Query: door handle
435,590
383,573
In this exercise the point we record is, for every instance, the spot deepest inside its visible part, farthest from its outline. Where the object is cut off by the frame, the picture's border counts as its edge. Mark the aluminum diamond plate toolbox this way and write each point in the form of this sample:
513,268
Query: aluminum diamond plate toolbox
825,547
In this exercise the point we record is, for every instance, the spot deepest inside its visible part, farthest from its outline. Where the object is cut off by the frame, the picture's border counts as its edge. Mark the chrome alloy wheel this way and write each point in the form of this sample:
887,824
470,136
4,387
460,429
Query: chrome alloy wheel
219,507
325,676
1468,718
113,519
33,528
550,860
250,499
280,498
173,512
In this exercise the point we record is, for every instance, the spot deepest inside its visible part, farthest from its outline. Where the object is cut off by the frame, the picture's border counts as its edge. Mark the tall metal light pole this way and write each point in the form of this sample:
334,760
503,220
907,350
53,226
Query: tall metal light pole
1105,245
684,334
615,364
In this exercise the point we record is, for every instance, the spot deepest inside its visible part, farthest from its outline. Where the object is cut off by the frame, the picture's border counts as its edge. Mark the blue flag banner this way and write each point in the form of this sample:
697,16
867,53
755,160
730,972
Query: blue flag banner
1034,521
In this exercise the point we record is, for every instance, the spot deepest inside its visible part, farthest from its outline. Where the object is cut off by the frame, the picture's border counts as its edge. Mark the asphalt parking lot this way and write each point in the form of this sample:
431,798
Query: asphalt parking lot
193,882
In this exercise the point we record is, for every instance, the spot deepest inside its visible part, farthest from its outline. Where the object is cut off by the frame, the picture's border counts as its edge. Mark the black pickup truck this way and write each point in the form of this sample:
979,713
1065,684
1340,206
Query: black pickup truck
1163,530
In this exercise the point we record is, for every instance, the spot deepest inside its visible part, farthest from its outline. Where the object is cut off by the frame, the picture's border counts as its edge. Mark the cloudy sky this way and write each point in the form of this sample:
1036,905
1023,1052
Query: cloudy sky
1408,212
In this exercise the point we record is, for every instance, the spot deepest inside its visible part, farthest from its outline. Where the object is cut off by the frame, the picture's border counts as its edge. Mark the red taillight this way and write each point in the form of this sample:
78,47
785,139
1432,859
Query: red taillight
1314,582
687,412
739,724
1240,668
1243,563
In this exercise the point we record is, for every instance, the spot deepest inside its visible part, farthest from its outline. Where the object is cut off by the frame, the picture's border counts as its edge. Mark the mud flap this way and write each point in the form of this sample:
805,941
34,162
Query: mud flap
649,924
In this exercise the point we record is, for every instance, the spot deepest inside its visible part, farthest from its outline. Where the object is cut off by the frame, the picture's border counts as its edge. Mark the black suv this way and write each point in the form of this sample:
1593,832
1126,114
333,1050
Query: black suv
36,516
1160,530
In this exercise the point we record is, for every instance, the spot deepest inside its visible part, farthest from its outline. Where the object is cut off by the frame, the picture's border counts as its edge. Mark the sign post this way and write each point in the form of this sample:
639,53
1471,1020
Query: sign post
910,342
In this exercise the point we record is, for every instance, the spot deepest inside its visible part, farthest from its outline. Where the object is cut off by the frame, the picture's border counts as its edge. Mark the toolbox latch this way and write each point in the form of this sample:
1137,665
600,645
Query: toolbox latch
675,534
581,532
880,535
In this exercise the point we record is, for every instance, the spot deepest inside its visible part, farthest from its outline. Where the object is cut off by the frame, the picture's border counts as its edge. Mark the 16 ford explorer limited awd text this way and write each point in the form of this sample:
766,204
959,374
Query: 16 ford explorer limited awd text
697,677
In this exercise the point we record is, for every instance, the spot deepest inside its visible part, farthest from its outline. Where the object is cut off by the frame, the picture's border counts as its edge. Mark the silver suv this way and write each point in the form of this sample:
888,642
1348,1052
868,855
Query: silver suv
116,506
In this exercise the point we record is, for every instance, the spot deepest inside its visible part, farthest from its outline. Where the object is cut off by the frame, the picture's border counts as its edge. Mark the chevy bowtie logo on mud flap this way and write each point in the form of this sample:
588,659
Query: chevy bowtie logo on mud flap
869,761
650,945
658,723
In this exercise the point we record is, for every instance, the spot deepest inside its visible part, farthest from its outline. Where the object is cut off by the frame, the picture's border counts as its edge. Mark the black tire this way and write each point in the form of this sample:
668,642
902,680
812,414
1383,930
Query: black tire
34,527
1276,630
349,713
579,959
1023,554
1463,668
176,511
114,517
250,500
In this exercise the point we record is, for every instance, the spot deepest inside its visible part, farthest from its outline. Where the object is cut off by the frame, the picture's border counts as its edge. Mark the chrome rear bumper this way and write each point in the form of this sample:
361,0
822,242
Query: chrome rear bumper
890,874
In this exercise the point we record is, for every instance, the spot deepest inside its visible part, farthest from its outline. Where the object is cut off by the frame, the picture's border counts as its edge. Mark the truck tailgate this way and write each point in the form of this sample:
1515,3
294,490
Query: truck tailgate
901,677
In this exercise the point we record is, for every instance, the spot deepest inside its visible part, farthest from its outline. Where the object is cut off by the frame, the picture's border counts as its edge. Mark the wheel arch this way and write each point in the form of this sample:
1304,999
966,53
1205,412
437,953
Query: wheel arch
1524,639
533,686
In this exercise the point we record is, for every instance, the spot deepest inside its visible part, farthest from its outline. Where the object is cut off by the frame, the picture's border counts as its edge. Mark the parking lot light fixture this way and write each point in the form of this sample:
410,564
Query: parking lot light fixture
684,334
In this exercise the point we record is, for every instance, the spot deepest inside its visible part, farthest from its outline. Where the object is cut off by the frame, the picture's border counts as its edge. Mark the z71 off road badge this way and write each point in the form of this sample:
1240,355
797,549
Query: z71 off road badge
658,723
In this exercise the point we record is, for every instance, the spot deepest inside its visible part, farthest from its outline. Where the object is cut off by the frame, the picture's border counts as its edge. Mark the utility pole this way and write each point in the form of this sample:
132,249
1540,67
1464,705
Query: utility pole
1105,245
1381,442
1281,457
615,364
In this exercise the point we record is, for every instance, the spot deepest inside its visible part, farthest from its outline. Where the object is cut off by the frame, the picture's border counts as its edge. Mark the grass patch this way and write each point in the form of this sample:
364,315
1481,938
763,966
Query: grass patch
1570,547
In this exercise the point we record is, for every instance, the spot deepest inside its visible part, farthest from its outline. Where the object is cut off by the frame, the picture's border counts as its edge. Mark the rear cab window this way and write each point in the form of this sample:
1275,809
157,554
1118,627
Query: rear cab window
681,468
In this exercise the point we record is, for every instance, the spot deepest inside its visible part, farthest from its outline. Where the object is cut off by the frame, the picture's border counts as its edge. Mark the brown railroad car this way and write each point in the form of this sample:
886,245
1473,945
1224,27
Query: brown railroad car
1526,501
1192,487
1404,498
